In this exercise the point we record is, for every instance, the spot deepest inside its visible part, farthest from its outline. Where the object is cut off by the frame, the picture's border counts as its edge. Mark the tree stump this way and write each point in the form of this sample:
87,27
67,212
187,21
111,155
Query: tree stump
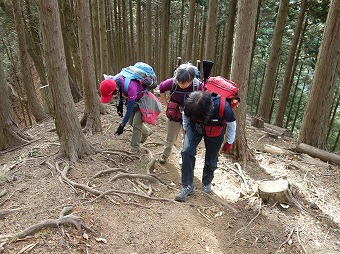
257,122
275,191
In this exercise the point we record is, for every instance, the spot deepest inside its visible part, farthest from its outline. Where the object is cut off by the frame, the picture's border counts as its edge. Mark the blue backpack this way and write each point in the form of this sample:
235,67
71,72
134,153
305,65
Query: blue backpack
142,72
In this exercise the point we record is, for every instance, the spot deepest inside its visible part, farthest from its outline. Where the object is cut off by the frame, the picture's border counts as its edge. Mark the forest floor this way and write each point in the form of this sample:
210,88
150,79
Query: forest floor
140,214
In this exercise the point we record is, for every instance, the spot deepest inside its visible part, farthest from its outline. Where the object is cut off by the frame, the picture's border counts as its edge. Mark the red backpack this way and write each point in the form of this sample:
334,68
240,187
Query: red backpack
227,89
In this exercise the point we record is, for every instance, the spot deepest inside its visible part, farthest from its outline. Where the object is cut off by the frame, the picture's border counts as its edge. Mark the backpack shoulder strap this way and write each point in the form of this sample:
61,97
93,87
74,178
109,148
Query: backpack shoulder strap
221,108
174,86
195,84
126,84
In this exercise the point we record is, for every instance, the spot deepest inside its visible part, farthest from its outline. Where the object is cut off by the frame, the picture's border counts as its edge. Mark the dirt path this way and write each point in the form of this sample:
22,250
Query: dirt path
231,221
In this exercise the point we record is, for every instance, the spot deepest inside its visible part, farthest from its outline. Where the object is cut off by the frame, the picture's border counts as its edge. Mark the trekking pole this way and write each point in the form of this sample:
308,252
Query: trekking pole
207,66
179,61
198,64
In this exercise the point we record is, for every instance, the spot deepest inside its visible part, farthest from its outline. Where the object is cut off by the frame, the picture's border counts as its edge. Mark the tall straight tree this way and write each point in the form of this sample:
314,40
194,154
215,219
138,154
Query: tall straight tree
286,86
190,34
91,118
165,39
211,28
68,28
316,117
240,68
269,82
104,53
10,134
139,30
230,36
148,22
73,144
32,98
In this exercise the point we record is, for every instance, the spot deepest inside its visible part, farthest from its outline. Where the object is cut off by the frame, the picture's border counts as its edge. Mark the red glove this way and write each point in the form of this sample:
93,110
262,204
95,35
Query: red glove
226,147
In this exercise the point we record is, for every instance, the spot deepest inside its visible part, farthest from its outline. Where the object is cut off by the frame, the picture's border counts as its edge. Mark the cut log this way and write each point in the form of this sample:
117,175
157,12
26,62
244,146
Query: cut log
318,153
277,130
275,191
274,150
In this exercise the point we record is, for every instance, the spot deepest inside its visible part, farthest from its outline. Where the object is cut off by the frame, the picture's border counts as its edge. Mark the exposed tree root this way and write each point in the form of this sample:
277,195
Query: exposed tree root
148,177
108,171
5,212
95,192
62,220
289,236
220,202
250,220
20,146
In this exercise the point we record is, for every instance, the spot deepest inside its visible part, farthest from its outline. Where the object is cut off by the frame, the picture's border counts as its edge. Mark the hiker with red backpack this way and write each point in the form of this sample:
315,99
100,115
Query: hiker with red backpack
180,86
129,86
209,114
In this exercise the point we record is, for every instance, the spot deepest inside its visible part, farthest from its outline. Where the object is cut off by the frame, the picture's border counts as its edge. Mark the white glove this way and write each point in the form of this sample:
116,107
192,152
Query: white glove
107,76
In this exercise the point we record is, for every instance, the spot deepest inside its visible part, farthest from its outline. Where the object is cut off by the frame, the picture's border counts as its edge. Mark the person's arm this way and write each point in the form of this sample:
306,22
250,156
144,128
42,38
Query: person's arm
165,86
163,98
132,97
231,127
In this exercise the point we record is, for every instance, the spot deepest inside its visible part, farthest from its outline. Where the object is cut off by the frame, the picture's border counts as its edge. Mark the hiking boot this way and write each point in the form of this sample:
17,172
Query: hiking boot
145,137
162,160
184,192
206,188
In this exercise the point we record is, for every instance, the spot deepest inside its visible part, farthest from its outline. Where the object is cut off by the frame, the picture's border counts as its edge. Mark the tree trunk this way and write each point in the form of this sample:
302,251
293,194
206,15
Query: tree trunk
269,83
139,29
73,144
334,108
315,119
229,42
190,34
132,37
211,29
298,106
95,40
91,118
180,34
148,53
32,98
286,86
165,40
293,97
10,134
67,28
240,69
103,38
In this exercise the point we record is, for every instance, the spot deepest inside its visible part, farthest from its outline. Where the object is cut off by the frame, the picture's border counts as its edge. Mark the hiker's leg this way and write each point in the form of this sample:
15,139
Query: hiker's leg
212,148
137,125
172,131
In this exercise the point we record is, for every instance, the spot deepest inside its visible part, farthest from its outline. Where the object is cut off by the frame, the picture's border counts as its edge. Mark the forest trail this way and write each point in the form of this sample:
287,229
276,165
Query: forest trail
231,220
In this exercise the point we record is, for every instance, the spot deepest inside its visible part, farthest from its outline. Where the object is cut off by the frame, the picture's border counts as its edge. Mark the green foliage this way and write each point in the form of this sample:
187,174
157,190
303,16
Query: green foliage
318,10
